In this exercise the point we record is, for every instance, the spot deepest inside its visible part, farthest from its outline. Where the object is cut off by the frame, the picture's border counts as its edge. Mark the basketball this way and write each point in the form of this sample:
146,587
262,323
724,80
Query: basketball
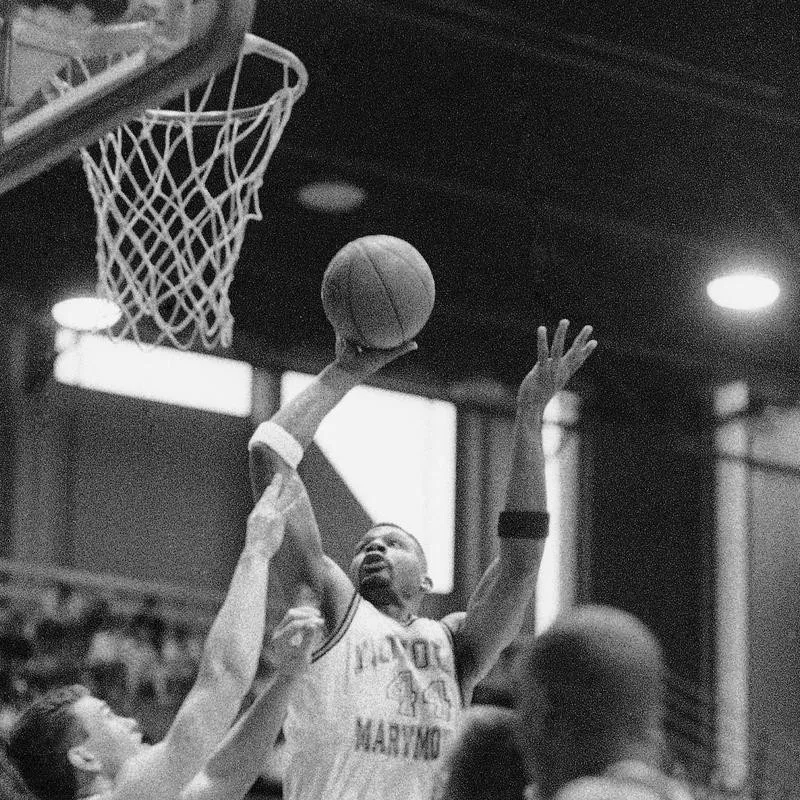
378,292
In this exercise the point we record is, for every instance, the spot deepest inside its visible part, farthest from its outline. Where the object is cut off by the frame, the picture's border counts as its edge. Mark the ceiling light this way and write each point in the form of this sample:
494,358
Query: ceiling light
331,197
86,313
744,291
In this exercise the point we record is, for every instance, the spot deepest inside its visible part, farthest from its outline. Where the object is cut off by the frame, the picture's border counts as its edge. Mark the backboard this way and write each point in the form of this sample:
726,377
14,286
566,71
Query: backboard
150,52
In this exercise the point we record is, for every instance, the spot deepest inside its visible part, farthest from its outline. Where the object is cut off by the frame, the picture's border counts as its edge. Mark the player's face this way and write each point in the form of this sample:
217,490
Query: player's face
388,558
110,738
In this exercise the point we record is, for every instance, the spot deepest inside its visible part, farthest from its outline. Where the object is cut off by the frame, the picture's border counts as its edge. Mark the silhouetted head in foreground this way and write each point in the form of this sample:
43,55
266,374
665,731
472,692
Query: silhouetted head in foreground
589,694
485,763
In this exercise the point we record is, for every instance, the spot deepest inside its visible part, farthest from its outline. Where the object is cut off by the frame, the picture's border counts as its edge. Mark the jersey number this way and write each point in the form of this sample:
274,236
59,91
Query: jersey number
435,698
402,689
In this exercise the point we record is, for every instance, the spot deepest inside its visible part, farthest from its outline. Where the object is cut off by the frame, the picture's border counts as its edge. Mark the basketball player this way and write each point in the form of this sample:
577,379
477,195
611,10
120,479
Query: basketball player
69,744
382,700
590,703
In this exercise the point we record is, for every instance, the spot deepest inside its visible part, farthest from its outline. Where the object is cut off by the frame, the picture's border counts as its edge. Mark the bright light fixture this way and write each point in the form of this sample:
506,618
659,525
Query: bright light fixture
331,197
86,313
743,291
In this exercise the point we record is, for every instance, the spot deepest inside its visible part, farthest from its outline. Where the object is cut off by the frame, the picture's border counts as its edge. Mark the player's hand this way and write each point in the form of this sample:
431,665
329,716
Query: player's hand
294,638
553,367
360,363
266,523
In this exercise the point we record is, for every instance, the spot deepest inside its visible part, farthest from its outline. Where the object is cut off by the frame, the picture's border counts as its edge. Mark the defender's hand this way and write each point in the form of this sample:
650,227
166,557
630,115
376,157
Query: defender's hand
265,525
554,367
294,639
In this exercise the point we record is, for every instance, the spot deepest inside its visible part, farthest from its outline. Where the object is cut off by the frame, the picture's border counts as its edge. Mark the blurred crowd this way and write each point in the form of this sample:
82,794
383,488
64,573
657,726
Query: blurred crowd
136,659
143,663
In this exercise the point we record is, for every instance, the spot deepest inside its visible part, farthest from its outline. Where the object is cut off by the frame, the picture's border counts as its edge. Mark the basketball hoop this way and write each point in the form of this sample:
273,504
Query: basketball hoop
173,192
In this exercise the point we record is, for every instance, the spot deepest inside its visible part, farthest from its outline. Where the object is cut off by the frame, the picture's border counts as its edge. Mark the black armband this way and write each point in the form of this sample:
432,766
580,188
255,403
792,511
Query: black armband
523,524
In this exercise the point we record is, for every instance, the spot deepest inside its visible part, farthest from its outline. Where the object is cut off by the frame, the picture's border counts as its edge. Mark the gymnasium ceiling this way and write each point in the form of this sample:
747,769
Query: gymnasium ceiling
592,160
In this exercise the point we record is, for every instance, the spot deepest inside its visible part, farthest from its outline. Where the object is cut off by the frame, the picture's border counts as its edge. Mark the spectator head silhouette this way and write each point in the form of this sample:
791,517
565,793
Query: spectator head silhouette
589,693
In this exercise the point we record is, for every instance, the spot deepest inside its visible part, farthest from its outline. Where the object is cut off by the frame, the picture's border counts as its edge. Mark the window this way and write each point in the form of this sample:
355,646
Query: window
396,452
162,374
555,587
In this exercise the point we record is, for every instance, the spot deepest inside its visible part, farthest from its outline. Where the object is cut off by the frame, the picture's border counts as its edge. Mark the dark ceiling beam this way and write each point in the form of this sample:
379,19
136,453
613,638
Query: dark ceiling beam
512,20
715,366
592,57
634,372
507,202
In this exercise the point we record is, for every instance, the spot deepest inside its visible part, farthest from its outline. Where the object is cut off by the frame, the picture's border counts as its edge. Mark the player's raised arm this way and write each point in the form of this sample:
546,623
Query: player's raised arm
277,446
497,608
241,757
227,668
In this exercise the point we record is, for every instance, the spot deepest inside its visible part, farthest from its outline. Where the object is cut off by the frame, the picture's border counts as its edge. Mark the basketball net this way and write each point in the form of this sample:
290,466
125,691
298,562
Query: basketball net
173,192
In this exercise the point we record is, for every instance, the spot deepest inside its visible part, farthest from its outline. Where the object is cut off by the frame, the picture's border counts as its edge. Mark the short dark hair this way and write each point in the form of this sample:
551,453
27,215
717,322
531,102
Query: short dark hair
40,740
589,692
603,658
410,535
485,761
600,673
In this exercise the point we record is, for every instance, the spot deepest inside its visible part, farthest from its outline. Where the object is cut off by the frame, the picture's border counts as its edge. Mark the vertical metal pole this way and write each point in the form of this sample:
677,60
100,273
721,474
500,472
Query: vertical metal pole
6,15
733,571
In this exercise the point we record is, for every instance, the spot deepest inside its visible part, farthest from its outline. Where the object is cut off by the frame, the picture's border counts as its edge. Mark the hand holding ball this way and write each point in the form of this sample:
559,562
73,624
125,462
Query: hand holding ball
378,292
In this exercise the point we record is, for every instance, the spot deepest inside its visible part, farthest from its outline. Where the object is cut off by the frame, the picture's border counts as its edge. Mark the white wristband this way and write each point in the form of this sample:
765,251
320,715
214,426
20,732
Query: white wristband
282,442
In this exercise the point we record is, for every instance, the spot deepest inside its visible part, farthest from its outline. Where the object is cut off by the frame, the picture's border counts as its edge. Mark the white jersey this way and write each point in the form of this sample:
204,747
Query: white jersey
375,713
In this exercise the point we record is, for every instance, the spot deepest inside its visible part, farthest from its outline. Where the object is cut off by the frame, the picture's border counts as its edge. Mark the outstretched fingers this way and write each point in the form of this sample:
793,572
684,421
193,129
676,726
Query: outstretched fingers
582,347
581,342
297,629
557,350
582,338
553,366
280,496
543,351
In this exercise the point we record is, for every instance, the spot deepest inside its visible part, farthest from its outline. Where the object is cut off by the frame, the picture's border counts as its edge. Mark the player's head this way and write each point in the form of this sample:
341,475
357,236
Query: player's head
589,692
67,739
485,762
389,563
